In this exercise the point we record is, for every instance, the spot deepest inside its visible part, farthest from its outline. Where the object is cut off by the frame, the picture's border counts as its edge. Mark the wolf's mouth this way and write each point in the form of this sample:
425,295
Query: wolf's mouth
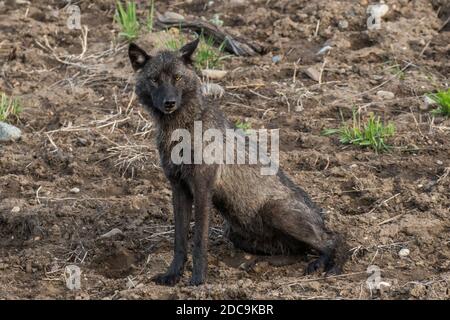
170,111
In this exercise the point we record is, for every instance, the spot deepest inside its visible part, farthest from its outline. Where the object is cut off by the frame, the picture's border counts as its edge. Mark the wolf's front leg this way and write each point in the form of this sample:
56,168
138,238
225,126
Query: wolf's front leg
182,208
202,205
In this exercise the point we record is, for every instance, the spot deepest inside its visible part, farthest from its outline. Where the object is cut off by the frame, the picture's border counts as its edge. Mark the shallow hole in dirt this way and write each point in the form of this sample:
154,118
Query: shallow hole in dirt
360,41
116,262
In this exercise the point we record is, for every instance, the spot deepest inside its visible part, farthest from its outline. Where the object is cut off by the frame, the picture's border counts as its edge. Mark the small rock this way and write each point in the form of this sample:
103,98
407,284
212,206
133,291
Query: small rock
343,24
403,252
172,16
15,210
427,103
385,95
439,162
276,59
325,49
112,233
9,132
214,74
313,73
75,190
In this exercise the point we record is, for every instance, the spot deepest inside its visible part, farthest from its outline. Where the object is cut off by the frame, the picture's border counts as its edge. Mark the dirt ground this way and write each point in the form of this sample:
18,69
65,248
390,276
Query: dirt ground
83,128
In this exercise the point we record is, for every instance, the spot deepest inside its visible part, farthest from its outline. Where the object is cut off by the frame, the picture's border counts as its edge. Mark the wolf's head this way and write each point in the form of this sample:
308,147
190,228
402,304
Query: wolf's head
165,79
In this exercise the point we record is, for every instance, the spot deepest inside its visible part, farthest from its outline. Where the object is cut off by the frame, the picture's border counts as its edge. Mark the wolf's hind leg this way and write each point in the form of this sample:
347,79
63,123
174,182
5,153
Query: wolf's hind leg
307,226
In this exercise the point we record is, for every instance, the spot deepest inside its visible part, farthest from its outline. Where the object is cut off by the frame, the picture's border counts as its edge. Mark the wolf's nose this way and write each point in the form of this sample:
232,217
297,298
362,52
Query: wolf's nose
169,104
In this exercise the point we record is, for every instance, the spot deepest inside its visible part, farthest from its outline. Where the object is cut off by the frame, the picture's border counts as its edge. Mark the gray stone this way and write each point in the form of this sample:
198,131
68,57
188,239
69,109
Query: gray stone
9,132
172,16
385,95
313,73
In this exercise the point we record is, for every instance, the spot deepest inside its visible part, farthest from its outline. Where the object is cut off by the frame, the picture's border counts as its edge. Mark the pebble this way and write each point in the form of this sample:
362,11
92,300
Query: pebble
111,233
427,103
403,252
15,210
173,16
313,73
343,24
385,95
276,59
75,190
439,162
9,132
325,49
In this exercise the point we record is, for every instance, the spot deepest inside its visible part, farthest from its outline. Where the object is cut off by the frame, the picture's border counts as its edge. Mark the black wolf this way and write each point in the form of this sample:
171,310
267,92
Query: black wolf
265,214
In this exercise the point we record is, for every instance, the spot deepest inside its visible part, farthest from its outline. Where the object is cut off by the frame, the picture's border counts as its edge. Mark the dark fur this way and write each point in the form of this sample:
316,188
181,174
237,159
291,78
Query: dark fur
265,214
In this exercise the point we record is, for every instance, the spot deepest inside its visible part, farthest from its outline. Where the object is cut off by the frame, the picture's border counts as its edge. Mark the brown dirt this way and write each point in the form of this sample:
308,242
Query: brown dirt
77,121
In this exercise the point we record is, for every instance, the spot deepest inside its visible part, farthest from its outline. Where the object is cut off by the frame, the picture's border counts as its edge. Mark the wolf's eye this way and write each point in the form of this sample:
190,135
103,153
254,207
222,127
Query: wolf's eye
178,77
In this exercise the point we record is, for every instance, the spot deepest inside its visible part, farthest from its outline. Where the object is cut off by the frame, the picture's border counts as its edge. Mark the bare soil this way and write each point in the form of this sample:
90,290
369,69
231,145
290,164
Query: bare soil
83,128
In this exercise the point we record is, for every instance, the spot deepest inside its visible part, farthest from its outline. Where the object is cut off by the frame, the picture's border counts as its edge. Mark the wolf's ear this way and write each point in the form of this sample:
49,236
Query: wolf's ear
188,50
138,56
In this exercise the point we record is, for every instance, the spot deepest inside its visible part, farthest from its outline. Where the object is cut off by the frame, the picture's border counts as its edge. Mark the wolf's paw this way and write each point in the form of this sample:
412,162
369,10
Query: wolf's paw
333,270
316,265
197,280
167,279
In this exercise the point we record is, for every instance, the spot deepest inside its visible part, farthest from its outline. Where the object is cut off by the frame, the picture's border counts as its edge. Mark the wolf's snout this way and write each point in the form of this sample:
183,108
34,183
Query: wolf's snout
169,105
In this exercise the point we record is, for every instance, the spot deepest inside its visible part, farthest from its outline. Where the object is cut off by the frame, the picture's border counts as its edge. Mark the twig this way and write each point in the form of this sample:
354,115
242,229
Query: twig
317,28
390,219
248,85
382,203
323,278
